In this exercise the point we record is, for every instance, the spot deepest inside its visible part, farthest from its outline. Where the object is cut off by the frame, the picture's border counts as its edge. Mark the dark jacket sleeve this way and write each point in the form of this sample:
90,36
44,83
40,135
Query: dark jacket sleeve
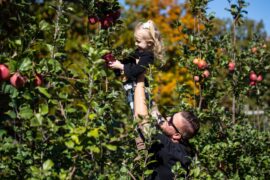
132,70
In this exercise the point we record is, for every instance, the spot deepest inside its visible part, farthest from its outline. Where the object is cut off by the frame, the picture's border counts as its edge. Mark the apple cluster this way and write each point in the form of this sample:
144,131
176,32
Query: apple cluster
16,79
202,65
254,78
107,20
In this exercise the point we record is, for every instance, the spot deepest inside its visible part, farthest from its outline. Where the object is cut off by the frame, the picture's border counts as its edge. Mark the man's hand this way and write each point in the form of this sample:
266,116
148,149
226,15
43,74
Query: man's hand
116,65
156,114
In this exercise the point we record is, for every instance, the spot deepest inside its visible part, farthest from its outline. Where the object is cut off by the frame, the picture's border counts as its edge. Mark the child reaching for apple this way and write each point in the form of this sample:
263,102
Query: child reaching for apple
149,46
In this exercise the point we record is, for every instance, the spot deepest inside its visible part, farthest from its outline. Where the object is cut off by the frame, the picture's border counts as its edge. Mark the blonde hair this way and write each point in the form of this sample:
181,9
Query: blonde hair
155,35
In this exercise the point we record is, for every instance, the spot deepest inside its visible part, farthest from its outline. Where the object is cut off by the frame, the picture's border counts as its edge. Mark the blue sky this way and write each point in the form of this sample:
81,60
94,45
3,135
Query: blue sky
257,10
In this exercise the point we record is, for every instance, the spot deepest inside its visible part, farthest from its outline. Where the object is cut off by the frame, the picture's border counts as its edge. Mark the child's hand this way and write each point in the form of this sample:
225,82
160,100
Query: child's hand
116,65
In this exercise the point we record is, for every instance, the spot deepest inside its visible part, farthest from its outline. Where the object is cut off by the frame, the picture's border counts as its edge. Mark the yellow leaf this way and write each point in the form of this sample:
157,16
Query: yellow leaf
93,133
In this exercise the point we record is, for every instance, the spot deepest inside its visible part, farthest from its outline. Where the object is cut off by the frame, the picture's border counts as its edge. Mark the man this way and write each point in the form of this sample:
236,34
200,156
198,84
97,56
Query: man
172,145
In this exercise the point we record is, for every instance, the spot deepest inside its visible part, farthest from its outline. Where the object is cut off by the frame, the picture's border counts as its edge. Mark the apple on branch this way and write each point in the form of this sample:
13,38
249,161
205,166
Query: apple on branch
4,72
196,78
108,57
17,80
38,81
231,66
206,74
202,64
252,76
93,19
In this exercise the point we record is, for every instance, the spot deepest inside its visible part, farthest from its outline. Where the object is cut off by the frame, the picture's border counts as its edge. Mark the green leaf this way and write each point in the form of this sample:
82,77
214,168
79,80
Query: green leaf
84,108
79,130
58,54
196,172
11,114
75,138
56,66
26,65
34,170
111,147
47,165
44,109
26,112
78,148
123,169
93,133
94,149
85,47
103,52
71,9
191,38
91,51
92,116
44,91
18,42
39,118
43,25
147,172
2,133
50,47
27,96
69,144
247,68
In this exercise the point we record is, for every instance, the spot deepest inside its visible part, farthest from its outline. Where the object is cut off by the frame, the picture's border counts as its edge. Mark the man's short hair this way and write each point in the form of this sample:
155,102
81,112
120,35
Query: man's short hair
191,126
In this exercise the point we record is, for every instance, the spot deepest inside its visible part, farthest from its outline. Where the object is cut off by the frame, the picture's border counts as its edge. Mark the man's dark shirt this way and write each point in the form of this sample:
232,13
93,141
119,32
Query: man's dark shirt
166,154
133,70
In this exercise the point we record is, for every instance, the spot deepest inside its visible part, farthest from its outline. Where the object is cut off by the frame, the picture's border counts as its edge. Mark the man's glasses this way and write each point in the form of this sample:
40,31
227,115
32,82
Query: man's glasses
170,123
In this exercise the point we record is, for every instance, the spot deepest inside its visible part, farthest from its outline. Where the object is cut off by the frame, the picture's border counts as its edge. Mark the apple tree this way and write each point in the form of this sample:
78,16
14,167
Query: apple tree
61,114
229,78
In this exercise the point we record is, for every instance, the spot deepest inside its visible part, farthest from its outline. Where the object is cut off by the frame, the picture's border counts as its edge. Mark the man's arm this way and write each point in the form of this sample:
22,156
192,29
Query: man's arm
140,111
140,106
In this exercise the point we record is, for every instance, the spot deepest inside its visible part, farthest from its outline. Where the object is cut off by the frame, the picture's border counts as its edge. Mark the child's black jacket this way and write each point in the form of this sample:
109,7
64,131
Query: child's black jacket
133,70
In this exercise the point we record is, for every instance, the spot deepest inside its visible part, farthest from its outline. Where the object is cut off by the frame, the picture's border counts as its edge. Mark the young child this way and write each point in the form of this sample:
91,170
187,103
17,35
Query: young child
149,46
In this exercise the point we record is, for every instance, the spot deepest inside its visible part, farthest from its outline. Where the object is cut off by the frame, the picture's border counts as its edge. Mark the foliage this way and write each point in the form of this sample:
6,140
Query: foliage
69,127
77,124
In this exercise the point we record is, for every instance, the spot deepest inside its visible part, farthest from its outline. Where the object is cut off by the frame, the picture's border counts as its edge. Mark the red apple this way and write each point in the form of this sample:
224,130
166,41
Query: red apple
106,22
4,72
17,80
259,78
231,66
254,50
195,61
116,14
38,81
108,57
206,73
92,19
196,78
202,64
252,83
252,76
